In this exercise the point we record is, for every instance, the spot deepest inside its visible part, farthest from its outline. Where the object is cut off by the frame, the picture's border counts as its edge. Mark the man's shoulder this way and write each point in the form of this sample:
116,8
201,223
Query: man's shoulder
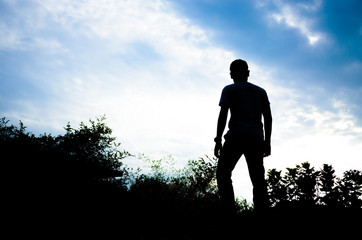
256,87
228,89
229,86
244,85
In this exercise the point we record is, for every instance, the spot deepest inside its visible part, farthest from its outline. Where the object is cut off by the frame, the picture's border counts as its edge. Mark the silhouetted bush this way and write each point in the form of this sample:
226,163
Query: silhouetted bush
87,162
80,176
81,169
188,190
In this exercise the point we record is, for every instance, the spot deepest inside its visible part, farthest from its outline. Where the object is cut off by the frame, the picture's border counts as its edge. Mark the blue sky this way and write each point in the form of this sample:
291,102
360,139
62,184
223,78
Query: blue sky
157,68
280,34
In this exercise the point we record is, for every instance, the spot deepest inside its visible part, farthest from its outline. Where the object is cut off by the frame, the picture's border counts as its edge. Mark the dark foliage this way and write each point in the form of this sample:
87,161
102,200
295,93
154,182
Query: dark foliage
303,186
76,176
79,176
77,162
61,182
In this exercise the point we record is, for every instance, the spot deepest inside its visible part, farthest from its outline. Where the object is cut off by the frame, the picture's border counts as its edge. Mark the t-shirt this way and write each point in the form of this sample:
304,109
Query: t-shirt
247,103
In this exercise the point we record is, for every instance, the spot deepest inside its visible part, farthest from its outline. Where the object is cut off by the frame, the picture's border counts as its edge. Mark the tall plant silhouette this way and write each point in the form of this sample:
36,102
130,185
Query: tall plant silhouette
304,186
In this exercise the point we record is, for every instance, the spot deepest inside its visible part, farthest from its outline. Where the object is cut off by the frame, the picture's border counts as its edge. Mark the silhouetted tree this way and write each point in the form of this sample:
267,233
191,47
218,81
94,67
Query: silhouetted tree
84,162
277,188
329,193
351,188
303,186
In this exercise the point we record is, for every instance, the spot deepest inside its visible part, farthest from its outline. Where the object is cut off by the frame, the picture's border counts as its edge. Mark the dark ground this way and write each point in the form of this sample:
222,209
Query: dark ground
83,220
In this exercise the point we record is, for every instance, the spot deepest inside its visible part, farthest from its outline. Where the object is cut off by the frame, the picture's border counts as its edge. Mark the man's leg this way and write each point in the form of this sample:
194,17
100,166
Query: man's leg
229,156
257,176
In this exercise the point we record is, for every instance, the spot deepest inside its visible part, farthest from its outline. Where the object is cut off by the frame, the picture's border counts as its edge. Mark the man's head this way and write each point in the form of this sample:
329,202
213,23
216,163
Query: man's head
239,70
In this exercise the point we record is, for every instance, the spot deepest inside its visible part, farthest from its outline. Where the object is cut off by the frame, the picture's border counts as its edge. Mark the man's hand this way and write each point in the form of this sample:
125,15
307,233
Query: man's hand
217,149
267,149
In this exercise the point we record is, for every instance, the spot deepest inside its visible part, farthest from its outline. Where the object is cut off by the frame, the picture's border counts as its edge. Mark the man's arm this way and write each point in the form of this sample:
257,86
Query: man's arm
268,130
221,123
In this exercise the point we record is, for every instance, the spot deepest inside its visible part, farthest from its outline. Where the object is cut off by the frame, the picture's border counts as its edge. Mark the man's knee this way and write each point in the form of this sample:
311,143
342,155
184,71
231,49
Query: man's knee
223,176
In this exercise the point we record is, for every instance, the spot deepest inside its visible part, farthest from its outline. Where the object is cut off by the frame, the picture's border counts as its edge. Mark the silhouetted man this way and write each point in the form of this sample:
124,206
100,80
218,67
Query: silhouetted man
247,103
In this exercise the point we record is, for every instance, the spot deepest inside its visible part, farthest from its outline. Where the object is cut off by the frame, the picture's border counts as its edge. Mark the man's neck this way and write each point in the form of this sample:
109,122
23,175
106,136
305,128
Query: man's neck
240,80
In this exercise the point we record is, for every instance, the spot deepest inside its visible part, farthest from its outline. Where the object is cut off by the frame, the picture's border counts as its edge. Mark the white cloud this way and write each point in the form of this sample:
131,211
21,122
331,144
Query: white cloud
310,6
291,16
18,33
305,132
171,100
8,38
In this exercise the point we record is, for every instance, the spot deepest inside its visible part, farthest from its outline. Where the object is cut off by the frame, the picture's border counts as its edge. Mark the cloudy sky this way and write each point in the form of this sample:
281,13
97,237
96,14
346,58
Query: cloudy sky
157,68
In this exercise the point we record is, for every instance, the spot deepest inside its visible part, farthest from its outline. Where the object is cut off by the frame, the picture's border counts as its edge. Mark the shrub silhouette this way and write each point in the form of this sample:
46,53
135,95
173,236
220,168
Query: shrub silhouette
87,161
45,175
80,175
